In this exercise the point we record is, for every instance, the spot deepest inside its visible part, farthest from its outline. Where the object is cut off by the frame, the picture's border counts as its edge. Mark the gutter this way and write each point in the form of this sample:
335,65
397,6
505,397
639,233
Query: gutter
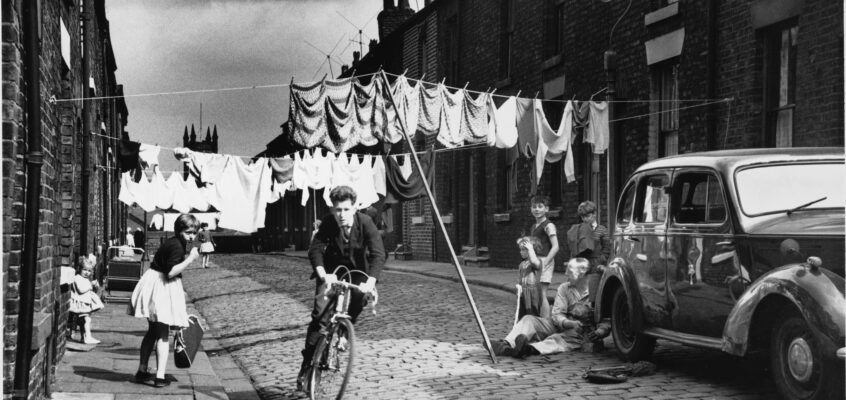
34,160
86,132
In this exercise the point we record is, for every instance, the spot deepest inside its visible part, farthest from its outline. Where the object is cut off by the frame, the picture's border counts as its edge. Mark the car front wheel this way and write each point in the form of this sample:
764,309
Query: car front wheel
799,369
631,346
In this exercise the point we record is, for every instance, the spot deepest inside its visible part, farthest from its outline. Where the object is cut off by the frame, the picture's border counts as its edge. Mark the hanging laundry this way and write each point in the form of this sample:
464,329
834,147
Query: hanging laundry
338,103
180,195
506,124
449,133
490,110
197,196
527,135
408,103
401,188
385,112
307,114
312,171
283,171
149,155
431,103
405,168
379,175
560,142
127,189
357,174
597,130
364,100
206,167
160,191
247,192
128,155
144,195
474,120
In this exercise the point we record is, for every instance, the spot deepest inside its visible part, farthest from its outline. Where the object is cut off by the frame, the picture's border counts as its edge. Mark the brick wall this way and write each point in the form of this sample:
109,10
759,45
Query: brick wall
60,200
738,69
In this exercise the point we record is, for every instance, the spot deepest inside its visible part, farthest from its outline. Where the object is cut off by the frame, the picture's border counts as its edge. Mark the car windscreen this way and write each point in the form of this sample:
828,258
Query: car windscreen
782,187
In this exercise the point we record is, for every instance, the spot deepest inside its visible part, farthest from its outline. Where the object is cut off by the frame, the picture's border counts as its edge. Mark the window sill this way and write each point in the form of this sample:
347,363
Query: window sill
661,14
447,219
551,62
417,220
502,217
503,83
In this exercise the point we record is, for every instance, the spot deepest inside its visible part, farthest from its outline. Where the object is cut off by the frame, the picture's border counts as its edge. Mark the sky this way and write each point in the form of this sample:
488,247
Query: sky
179,45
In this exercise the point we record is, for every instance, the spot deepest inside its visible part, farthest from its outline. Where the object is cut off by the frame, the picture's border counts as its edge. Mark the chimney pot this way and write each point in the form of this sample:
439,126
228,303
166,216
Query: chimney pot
387,4
344,69
403,4
372,47
356,57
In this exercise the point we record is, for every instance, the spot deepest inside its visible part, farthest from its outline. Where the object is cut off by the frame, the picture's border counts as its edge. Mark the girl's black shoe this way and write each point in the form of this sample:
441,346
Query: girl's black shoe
160,383
142,377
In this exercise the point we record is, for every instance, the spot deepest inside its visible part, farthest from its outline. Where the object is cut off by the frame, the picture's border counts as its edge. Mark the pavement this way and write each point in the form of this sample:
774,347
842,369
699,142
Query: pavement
103,371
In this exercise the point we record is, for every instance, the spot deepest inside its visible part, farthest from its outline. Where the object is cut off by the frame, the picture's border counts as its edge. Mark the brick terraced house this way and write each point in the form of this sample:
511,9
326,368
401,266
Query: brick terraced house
54,36
780,61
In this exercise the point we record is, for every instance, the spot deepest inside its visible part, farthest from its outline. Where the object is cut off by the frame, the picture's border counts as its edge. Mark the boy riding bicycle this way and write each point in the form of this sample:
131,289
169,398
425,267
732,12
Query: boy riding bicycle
345,237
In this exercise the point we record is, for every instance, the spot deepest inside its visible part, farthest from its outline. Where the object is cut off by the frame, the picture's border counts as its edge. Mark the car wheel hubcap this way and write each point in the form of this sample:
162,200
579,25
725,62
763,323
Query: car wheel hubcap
800,360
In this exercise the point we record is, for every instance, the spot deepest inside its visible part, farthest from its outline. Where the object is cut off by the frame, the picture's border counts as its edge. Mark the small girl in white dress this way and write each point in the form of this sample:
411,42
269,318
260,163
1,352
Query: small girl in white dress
84,298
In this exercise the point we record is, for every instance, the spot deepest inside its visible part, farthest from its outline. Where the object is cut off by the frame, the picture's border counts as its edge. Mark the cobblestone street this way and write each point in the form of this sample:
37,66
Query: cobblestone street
424,343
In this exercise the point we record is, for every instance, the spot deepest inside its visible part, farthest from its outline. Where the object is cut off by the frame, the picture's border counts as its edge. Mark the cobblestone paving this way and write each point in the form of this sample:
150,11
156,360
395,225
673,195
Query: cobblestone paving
424,343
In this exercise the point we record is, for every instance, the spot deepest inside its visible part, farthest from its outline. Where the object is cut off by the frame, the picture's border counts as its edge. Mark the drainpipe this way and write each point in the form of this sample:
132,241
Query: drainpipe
713,35
34,160
86,133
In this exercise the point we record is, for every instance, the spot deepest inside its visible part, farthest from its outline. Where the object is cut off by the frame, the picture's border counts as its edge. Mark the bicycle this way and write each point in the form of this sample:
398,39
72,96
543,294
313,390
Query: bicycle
335,350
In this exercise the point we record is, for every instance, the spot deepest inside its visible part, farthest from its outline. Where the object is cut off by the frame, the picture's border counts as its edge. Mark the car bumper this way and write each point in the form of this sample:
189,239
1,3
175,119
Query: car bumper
841,353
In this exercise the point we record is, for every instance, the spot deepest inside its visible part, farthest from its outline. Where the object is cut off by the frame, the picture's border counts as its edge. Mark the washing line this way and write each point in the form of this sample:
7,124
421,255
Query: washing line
55,100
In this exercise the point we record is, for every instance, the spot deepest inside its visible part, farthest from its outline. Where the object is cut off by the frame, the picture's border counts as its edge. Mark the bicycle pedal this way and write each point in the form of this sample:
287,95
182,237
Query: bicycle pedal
342,344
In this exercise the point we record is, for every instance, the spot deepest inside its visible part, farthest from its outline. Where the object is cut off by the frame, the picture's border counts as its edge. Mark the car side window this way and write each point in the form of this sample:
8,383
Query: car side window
624,214
653,200
698,199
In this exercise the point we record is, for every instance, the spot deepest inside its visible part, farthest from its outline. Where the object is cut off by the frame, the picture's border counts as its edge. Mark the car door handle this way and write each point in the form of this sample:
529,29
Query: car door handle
641,257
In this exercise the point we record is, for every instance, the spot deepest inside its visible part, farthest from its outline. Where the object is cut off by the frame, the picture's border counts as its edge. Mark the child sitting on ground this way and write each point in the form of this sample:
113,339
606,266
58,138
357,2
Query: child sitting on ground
532,296
84,298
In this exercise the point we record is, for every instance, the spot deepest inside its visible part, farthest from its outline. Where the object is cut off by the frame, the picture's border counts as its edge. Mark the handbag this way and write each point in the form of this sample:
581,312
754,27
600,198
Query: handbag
186,343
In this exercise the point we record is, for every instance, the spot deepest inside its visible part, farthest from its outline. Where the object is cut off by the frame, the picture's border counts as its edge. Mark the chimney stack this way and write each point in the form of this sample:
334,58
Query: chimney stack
391,17
372,46
356,57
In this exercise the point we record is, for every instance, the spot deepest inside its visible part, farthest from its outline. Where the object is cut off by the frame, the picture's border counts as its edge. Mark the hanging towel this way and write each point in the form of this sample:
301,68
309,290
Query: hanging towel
198,198
144,195
401,189
283,171
506,124
149,155
364,101
127,189
180,195
474,120
596,132
449,132
312,171
562,141
408,103
379,175
247,191
431,102
543,132
129,155
162,194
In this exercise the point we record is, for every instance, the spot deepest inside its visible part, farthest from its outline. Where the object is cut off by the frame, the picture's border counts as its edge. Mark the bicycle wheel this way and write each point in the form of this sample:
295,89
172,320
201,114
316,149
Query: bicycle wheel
333,362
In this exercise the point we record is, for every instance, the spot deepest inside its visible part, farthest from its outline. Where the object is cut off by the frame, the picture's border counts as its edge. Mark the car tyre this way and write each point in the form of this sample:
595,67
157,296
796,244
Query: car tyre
631,345
799,369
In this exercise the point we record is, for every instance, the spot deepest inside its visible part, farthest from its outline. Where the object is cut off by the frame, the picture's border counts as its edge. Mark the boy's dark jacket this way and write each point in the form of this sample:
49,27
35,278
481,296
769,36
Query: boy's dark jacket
367,250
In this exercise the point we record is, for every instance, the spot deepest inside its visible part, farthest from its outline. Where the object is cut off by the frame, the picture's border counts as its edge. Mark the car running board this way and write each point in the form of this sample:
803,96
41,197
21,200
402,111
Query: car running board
685,338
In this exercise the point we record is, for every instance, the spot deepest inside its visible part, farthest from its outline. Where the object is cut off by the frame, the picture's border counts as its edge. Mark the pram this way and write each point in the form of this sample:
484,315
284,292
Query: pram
124,266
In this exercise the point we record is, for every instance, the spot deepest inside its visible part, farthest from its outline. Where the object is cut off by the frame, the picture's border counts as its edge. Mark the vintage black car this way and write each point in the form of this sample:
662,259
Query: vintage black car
736,251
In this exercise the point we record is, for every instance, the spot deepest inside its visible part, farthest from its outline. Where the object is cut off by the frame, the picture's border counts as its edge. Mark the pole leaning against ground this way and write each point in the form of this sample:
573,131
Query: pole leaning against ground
440,221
